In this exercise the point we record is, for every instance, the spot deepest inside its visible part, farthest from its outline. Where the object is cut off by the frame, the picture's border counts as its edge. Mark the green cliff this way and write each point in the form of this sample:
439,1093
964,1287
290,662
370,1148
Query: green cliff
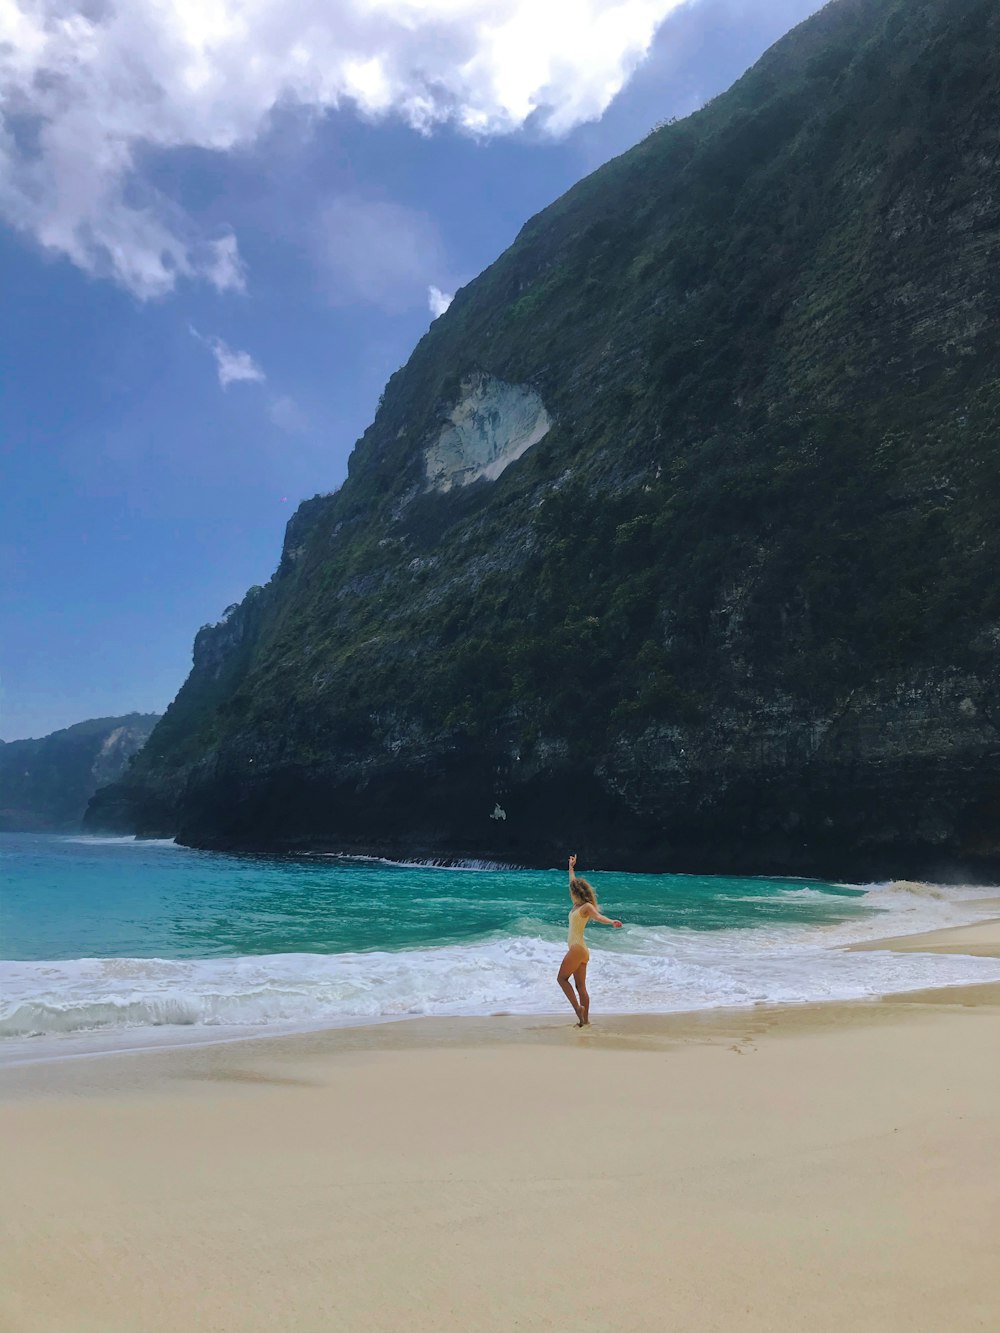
676,539
45,784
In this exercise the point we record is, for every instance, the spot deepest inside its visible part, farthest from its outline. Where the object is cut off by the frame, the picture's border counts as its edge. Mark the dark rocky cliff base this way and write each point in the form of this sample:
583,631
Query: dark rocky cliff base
887,818
845,831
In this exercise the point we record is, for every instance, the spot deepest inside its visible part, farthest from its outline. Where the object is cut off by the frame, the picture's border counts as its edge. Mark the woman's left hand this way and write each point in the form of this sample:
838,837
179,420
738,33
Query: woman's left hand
617,925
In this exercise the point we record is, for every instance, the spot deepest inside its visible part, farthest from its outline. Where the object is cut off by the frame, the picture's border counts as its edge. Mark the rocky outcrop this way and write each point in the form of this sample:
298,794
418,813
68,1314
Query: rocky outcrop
490,427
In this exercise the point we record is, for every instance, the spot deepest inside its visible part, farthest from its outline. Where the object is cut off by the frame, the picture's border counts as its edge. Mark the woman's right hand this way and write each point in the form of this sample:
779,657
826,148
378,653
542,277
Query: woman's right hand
572,862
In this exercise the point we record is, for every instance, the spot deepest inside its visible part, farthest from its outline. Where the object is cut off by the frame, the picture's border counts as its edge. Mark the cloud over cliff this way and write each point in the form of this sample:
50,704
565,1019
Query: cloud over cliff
232,365
92,86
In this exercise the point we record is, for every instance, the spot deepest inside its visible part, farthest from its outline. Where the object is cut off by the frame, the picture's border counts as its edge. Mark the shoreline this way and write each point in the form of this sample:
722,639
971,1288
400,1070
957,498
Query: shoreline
646,1031
979,939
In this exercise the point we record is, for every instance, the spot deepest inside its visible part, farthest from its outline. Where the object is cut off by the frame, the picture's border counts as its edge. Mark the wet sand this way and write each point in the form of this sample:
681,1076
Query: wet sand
981,940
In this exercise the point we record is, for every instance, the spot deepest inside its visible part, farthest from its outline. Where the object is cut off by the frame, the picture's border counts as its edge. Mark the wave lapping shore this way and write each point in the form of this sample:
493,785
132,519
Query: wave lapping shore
642,969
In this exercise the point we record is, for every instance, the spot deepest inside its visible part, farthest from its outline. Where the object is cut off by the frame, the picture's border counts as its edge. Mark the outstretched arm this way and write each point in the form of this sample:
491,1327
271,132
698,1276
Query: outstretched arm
595,915
572,868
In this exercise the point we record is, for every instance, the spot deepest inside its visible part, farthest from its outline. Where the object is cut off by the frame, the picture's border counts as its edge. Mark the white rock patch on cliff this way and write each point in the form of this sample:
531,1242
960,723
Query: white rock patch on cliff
491,425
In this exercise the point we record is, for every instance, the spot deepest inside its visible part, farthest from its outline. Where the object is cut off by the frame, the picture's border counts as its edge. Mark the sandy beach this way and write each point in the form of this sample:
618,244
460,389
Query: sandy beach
821,1167
981,940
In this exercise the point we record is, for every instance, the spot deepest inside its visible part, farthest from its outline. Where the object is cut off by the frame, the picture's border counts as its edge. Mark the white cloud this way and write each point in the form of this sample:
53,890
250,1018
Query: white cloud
223,266
286,414
233,366
89,86
438,301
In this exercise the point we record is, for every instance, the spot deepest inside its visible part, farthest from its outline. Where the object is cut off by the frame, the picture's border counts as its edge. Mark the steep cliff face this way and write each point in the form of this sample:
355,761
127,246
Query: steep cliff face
45,784
676,538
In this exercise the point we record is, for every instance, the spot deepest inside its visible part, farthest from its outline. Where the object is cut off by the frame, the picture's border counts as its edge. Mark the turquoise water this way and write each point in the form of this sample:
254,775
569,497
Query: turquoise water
84,897
109,934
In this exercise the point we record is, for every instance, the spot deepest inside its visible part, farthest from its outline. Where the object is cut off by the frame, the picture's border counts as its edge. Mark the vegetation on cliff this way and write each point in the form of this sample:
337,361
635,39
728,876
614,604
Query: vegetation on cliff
45,784
763,518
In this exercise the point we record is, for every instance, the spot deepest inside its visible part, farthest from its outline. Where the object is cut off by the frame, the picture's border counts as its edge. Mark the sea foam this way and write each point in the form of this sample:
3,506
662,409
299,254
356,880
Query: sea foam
638,969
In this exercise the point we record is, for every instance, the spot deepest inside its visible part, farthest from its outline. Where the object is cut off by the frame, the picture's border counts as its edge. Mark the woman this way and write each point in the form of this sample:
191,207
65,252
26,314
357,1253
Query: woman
574,965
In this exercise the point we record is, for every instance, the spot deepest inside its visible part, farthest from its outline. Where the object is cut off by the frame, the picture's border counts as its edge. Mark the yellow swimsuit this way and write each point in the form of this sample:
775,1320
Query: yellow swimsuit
577,925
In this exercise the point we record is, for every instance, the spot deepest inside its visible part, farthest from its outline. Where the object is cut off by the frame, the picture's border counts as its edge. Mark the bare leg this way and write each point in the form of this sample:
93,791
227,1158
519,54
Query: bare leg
568,992
566,969
580,977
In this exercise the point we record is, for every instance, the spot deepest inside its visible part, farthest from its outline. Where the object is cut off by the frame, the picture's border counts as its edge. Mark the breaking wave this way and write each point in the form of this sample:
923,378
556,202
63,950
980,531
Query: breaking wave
643,969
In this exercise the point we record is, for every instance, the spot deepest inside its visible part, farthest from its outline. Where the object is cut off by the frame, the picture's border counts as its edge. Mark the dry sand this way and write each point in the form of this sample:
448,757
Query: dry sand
819,1168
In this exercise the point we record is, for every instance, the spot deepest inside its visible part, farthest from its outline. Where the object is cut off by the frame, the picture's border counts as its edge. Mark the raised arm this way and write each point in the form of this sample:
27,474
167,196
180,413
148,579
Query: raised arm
572,869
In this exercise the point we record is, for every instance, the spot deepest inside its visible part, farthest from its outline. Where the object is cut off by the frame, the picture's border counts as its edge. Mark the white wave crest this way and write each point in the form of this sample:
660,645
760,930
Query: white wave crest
638,969
442,863
916,889
659,970
108,840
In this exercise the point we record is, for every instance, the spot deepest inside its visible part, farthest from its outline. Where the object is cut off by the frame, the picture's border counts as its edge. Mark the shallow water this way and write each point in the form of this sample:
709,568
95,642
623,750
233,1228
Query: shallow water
103,934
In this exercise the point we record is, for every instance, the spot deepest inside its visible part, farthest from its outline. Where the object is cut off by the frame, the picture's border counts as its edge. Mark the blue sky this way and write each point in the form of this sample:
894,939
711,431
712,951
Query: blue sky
213,253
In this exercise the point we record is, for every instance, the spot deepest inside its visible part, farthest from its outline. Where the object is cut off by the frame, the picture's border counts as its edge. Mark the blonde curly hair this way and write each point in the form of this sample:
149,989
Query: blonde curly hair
583,892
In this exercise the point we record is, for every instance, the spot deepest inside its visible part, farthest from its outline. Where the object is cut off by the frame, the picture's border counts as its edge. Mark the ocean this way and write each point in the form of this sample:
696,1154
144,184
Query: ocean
110,942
